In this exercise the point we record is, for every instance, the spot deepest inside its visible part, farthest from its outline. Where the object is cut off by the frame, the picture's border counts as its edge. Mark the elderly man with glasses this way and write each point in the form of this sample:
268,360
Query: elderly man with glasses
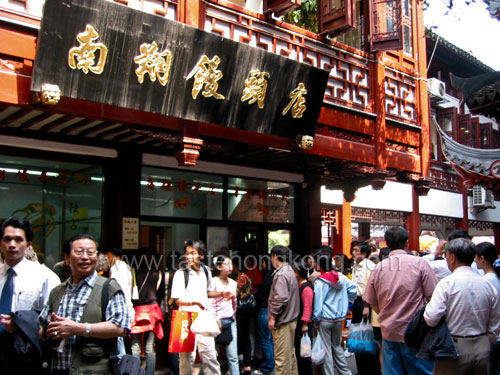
73,318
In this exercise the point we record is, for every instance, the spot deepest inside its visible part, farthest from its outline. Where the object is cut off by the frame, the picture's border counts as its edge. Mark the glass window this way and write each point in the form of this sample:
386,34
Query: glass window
355,36
176,193
218,240
278,237
260,201
407,26
60,200
165,238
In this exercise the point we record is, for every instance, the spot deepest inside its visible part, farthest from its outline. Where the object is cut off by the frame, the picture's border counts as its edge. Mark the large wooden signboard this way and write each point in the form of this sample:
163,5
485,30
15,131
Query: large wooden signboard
108,53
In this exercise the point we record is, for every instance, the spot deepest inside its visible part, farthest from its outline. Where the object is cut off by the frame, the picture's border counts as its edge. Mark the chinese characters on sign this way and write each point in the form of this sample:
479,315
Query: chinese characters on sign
206,75
255,88
297,102
158,64
154,63
130,233
85,53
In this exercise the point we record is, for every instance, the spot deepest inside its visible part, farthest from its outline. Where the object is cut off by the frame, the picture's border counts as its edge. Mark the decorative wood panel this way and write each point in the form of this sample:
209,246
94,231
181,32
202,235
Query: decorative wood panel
437,221
166,8
444,180
400,96
336,16
481,225
348,84
280,7
379,215
386,25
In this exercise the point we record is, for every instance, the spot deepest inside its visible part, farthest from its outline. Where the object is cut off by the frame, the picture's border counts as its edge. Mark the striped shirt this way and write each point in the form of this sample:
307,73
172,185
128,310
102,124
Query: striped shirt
73,304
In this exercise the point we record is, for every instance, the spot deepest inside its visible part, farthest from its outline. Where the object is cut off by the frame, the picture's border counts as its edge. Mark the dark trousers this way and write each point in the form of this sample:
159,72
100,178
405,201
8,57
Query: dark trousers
365,363
495,359
243,318
304,365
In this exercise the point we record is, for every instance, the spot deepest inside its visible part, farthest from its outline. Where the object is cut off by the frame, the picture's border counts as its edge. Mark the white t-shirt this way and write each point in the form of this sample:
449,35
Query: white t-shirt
196,290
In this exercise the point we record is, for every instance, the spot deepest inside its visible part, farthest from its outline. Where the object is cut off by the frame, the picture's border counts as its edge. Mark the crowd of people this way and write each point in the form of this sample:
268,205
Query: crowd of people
85,322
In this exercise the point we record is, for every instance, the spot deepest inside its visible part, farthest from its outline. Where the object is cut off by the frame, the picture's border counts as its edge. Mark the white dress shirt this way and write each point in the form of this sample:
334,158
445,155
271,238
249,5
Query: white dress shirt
440,268
31,285
469,302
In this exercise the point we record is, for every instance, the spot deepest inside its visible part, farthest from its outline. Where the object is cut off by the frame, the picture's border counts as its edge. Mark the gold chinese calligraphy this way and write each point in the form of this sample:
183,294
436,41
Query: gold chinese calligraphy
255,88
85,52
206,75
155,64
297,102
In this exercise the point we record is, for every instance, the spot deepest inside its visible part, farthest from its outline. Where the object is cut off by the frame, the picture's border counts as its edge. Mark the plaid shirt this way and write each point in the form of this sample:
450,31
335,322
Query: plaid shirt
73,304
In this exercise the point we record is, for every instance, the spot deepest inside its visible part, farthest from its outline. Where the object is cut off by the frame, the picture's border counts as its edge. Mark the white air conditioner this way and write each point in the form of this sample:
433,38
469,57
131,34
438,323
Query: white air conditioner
482,198
437,88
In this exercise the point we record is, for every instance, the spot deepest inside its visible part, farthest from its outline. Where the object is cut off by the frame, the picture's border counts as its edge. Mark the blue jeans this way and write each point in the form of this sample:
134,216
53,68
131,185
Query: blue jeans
266,342
149,348
399,359
232,349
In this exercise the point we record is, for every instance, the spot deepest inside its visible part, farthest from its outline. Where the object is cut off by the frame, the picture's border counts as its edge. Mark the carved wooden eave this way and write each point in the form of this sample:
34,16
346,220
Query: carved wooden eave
376,179
474,165
494,8
481,93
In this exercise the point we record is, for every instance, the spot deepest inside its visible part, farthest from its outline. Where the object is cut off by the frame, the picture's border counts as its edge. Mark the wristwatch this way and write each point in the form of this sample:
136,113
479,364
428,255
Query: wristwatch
86,334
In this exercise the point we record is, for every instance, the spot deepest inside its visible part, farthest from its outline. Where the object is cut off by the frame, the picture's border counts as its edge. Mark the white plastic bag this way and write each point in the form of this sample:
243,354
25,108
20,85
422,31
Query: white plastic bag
305,346
318,353
206,324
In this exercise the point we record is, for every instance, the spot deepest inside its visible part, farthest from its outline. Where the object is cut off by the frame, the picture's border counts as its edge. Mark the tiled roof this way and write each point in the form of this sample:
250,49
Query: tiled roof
474,160
456,50
494,8
481,93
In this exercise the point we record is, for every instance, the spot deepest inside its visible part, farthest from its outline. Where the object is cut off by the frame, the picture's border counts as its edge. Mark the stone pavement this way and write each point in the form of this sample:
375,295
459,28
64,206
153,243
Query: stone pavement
350,360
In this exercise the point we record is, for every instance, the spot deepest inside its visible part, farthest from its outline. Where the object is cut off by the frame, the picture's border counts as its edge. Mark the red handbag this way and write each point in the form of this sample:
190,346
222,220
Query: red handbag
182,340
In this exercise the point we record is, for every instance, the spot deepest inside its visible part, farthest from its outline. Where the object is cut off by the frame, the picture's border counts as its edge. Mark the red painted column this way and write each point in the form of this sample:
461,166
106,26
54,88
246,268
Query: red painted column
413,223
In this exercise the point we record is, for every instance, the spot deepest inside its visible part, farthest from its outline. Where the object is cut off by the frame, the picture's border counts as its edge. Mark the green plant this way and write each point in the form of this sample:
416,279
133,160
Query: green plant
306,16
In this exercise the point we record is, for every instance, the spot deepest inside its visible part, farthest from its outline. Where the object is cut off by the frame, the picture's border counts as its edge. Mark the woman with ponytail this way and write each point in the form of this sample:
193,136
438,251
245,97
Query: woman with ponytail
486,257
488,261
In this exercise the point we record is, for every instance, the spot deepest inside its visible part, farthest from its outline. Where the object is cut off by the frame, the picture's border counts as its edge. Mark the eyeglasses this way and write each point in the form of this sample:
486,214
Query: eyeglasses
80,250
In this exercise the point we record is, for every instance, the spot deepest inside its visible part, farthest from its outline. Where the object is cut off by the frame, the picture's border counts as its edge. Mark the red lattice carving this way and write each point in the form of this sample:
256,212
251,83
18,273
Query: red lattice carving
349,82
437,221
215,29
336,133
402,148
444,180
379,215
481,225
328,216
400,98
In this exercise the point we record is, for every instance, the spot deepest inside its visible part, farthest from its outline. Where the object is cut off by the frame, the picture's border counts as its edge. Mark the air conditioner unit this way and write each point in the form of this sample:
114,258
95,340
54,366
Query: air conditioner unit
482,198
437,88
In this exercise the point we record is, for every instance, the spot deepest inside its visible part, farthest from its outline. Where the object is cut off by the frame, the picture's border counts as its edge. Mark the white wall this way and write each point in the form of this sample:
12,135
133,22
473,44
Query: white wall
491,214
394,196
441,203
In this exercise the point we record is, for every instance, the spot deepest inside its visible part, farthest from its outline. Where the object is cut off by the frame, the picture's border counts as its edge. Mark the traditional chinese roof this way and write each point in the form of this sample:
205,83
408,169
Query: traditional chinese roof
472,164
450,47
494,8
481,93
